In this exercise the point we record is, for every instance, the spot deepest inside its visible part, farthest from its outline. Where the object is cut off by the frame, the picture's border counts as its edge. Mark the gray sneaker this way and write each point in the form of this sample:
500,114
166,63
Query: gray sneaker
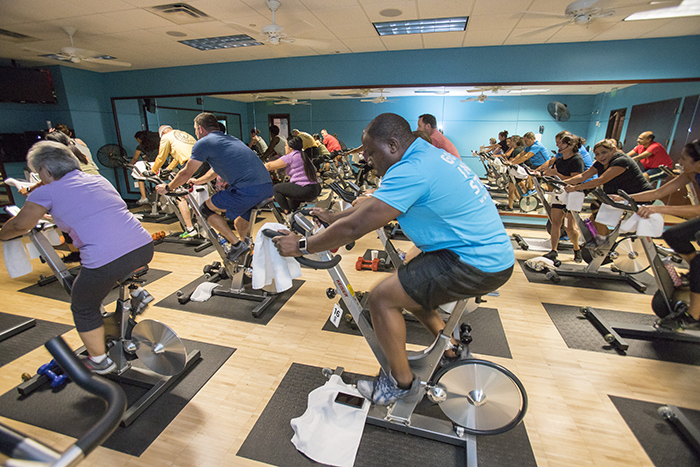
142,201
102,368
384,390
237,250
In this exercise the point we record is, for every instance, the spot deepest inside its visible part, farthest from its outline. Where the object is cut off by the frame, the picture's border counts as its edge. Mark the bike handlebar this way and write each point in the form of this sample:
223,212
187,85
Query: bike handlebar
269,233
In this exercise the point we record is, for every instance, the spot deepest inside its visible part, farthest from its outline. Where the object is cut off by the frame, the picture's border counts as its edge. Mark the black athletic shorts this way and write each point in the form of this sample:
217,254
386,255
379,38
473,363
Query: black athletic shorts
439,277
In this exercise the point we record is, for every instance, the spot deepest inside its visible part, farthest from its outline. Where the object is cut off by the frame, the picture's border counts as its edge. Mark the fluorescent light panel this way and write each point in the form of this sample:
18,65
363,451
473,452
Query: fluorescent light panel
686,8
421,26
222,42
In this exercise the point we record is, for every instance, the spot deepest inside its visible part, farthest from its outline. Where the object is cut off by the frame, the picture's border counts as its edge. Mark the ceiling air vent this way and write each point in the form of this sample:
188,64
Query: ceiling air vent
15,36
179,13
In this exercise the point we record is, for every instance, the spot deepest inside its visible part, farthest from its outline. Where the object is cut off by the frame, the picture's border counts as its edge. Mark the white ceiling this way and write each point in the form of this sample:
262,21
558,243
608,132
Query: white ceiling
125,30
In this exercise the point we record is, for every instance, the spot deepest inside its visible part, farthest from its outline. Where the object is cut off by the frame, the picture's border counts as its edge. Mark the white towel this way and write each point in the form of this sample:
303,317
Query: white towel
203,291
269,265
18,183
574,201
608,215
201,193
645,227
16,258
52,236
33,252
330,432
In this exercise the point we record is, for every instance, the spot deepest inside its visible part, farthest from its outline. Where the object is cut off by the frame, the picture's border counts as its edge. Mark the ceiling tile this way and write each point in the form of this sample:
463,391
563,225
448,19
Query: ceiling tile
409,10
676,27
478,39
495,8
344,25
489,23
443,39
88,7
444,8
365,44
138,19
403,42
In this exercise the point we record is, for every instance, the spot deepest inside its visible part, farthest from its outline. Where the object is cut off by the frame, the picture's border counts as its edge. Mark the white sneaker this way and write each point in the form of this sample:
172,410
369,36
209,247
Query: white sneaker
142,201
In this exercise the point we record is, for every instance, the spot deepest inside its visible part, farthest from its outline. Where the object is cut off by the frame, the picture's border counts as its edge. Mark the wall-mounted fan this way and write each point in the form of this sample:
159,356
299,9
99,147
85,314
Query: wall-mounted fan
380,99
481,98
75,54
558,111
274,34
112,156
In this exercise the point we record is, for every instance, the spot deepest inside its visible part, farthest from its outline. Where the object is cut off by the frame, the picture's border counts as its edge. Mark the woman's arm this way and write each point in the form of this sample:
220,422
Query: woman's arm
584,176
137,154
608,175
667,189
275,165
24,221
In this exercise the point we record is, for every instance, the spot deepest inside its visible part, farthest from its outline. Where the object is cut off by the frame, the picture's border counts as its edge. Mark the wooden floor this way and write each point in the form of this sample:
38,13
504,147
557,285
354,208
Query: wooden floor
570,422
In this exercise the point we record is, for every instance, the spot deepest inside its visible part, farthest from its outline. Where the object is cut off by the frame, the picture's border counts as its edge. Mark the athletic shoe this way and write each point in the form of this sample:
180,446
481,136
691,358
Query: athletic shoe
577,256
384,390
142,201
688,323
189,233
237,250
552,255
102,368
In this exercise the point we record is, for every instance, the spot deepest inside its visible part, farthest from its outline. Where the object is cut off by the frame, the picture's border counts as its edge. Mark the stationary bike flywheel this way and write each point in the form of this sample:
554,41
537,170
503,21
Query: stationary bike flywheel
159,348
481,396
529,203
629,257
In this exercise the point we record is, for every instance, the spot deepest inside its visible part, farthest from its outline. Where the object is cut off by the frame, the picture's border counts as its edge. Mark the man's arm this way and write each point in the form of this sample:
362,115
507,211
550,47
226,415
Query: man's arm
346,227
181,177
522,157
163,151
24,221
206,178
638,157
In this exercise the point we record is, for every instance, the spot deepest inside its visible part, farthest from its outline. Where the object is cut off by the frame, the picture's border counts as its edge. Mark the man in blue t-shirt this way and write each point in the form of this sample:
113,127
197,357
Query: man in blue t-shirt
446,211
231,159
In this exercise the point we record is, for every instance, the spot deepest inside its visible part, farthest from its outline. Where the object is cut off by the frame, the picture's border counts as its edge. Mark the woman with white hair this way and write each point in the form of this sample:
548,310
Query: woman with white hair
111,241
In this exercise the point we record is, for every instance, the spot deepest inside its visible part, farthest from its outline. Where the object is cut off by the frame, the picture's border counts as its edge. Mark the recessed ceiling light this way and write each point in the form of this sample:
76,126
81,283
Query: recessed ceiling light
176,34
391,13
421,26
686,8
222,42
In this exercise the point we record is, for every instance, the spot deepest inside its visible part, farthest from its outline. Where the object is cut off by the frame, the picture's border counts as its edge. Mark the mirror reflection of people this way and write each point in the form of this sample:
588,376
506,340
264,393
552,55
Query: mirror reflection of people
147,151
427,123
257,143
111,240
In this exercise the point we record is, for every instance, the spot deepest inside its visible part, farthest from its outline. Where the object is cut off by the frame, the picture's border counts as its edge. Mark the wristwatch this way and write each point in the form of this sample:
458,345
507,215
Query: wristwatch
302,246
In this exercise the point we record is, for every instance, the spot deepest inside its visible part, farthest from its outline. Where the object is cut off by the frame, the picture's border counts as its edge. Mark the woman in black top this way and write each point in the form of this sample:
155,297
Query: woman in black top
615,170
516,145
565,167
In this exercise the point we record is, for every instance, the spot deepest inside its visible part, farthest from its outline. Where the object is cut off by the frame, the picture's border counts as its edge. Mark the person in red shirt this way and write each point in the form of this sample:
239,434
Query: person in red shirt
428,125
330,142
650,154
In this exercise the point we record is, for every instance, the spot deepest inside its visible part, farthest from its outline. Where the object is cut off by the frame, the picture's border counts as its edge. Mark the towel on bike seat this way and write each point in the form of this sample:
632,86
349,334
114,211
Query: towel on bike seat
651,227
16,258
269,265
330,432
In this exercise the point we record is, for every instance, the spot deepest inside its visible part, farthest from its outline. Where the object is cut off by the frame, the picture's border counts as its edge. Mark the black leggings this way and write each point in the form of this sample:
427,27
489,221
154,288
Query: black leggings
290,195
92,286
679,237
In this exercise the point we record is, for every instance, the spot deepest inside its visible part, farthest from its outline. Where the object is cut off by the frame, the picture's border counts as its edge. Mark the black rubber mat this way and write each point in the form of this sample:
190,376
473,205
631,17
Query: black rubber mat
181,249
56,291
11,325
591,283
270,439
71,410
26,341
579,333
487,331
230,308
664,446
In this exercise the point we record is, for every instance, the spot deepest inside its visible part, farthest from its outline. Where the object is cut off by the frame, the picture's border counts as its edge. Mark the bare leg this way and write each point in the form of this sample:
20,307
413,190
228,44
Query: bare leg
694,305
142,189
386,303
185,211
557,216
94,341
571,230
220,224
241,226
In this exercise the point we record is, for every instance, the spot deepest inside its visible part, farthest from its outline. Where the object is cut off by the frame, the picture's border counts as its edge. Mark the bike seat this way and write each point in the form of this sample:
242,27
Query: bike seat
263,204
133,276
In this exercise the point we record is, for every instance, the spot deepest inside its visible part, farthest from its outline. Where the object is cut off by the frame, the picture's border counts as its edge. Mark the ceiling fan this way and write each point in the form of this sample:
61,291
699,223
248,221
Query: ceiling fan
274,33
583,12
481,98
355,92
379,99
75,54
493,89
292,101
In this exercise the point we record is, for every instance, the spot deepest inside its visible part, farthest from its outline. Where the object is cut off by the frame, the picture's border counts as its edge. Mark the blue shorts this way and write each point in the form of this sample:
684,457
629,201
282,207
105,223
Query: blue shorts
240,201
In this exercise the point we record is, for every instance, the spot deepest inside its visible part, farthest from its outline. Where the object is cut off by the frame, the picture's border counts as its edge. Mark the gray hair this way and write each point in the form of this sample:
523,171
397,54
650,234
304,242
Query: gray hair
53,157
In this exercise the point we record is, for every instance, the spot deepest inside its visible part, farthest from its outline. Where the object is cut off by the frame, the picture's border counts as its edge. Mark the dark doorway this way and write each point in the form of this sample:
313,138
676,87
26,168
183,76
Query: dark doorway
615,122
688,128
657,117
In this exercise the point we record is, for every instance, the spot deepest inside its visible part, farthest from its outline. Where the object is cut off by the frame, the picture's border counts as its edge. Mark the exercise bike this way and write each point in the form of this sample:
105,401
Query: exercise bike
156,345
239,271
478,397
22,450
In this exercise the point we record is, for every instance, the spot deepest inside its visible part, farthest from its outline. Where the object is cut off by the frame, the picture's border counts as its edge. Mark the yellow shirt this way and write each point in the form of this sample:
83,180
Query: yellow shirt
307,140
176,143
